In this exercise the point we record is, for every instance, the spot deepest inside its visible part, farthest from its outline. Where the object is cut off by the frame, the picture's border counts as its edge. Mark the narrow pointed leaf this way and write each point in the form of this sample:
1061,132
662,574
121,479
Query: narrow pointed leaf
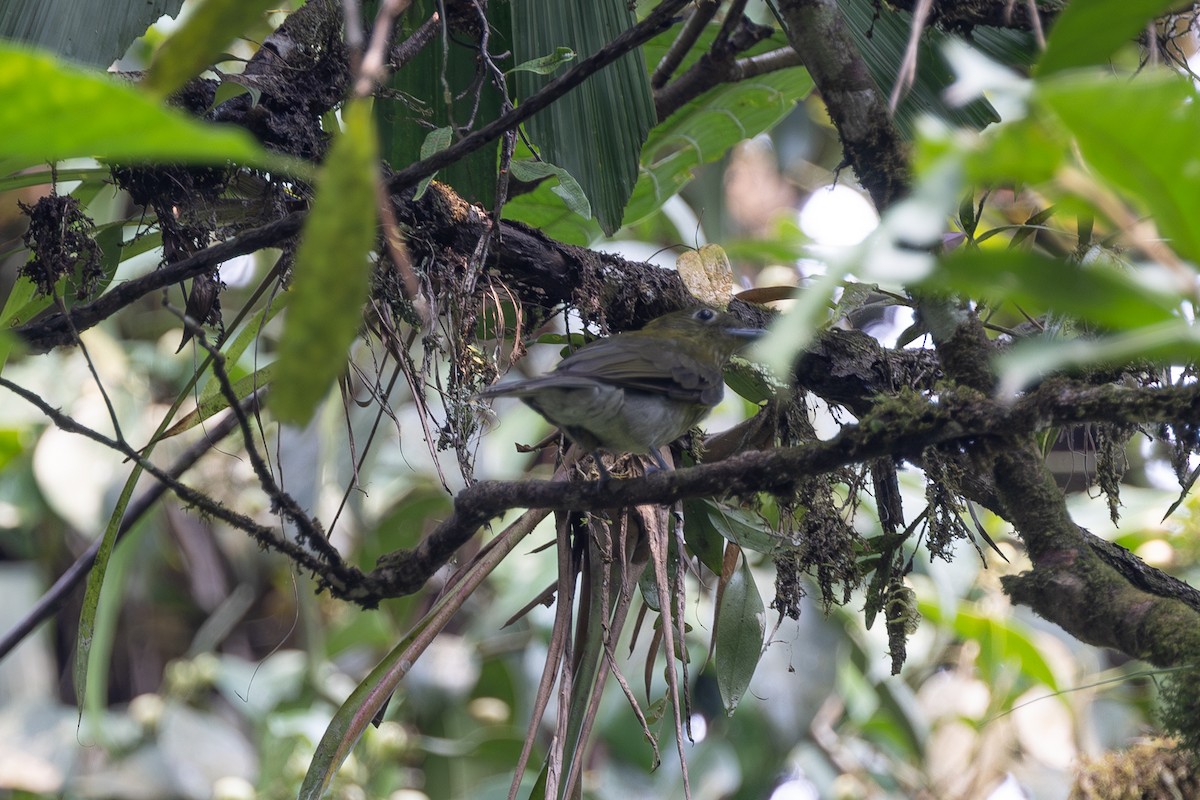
1091,32
331,273
198,42
53,111
741,625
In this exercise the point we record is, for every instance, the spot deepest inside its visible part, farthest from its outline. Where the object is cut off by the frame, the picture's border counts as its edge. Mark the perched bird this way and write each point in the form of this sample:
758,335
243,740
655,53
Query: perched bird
636,391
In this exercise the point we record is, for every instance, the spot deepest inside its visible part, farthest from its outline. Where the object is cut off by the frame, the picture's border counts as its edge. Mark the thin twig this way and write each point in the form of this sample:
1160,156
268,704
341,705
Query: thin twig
772,61
306,526
684,42
371,71
908,66
264,535
407,50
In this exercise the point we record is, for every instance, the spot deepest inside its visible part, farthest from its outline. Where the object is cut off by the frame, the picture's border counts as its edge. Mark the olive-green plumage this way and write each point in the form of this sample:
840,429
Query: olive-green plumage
636,391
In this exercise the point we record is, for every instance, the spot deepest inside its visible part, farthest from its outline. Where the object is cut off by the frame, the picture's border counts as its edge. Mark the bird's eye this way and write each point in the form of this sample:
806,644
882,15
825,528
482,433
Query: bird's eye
705,315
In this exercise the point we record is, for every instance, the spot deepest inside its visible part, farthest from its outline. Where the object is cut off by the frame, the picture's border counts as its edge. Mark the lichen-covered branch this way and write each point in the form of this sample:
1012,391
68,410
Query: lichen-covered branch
900,429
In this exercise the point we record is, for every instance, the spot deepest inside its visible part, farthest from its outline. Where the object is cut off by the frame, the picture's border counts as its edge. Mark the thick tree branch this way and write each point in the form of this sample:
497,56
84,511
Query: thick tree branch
896,431
58,331
870,142
1095,594
718,65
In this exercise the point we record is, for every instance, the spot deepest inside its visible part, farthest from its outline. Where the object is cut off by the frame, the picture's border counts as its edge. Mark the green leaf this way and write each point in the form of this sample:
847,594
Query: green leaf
88,618
1003,643
52,111
1090,32
331,272
1100,292
701,537
546,64
437,141
22,303
595,132
699,133
705,129
741,527
1139,134
199,41
48,178
568,188
214,403
231,88
741,625
95,34
1174,342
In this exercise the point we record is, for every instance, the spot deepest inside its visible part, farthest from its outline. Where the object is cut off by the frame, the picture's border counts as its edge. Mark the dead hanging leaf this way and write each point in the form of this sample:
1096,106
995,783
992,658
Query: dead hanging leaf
766,294
707,274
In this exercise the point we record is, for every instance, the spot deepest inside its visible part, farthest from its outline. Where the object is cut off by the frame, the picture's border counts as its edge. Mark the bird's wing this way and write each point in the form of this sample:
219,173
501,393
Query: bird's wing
635,363
531,386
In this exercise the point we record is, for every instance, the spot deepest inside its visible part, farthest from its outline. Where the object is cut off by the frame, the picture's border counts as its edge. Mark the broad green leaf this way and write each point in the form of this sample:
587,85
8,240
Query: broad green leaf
96,34
198,42
595,132
22,303
705,129
437,141
740,626
747,530
1023,151
1174,342
1099,292
1140,134
52,111
1089,33
331,272
702,538
1003,643
568,188
546,64
699,133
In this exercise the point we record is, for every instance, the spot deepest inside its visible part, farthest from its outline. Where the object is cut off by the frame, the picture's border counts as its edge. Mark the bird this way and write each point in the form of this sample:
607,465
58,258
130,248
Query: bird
637,391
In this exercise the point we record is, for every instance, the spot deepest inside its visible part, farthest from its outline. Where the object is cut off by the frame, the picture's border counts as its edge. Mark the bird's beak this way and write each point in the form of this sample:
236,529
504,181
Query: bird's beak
749,334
